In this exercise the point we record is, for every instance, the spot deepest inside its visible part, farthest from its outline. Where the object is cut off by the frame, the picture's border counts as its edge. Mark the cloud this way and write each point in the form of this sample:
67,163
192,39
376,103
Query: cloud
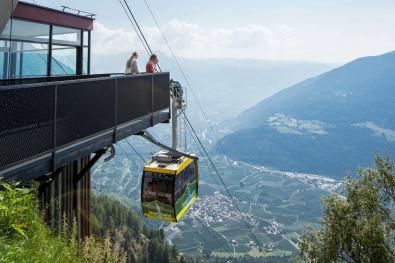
108,41
194,41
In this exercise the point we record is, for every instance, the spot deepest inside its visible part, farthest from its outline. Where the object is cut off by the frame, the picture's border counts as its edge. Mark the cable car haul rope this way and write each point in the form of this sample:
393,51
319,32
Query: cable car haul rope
171,179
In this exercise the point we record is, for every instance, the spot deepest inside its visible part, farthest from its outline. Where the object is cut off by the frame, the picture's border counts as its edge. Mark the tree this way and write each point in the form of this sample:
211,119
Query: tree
24,236
359,226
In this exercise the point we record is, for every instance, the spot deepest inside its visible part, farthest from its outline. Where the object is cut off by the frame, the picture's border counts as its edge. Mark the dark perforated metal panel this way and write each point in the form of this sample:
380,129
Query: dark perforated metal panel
161,91
134,97
26,123
84,109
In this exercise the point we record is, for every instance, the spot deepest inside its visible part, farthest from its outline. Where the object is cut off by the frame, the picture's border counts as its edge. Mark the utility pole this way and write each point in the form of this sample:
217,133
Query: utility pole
174,114
177,106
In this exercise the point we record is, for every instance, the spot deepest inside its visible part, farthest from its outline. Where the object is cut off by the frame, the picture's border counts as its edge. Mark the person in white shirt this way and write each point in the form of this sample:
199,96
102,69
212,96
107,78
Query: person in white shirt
131,64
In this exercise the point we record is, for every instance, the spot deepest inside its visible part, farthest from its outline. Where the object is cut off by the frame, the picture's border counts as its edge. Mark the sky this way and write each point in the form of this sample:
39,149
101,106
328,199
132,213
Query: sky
326,31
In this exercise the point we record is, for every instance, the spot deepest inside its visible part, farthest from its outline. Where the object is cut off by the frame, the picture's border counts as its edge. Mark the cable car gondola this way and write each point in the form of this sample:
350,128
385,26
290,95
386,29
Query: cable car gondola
169,187
170,180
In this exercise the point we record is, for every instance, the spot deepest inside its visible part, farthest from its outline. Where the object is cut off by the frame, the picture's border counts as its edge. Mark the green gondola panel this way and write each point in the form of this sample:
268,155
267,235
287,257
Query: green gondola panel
169,187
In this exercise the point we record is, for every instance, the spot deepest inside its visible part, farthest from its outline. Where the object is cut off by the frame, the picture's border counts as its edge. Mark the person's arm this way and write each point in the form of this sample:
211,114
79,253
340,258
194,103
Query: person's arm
135,67
127,68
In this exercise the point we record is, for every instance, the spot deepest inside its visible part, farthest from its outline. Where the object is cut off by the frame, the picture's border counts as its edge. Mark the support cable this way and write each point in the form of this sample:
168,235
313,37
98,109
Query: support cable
139,29
134,149
193,130
223,183
197,219
215,238
131,175
204,114
181,70
184,75
167,42
210,169
219,188
146,135
138,26
134,27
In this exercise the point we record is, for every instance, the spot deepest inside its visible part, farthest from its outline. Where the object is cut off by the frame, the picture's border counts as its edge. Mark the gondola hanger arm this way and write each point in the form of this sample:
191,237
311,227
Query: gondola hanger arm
146,135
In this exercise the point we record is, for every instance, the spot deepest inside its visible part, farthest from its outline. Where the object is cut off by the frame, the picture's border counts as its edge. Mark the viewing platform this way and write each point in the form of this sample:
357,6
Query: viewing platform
53,110
57,119
49,122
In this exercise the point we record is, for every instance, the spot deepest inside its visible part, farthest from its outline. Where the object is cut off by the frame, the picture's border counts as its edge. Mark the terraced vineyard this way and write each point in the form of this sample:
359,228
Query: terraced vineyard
277,205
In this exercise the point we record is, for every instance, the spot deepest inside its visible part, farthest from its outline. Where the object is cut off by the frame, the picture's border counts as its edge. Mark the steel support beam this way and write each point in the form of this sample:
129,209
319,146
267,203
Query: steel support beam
89,165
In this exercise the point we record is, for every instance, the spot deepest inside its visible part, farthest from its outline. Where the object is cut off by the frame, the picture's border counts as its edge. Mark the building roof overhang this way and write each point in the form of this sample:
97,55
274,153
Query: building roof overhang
43,14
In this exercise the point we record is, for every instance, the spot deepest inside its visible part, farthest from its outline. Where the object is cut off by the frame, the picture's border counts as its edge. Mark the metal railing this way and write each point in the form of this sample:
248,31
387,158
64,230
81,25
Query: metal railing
41,119
44,79
78,12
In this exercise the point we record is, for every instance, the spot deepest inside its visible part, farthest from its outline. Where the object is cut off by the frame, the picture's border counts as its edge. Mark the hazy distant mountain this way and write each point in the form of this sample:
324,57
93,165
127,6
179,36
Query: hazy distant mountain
329,124
225,87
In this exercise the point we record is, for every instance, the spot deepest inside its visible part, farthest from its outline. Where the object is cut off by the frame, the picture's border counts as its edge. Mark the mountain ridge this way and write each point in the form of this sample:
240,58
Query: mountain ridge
278,96
328,124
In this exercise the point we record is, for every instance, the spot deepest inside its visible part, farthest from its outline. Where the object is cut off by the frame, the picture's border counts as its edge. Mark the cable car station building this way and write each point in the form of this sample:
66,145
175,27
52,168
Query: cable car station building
57,119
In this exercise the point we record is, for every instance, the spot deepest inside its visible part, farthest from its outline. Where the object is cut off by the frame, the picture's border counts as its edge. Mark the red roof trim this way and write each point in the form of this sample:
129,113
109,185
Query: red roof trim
51,16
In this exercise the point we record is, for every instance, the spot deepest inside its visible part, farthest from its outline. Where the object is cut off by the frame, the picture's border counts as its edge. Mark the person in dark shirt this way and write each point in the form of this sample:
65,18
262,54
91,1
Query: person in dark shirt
152,63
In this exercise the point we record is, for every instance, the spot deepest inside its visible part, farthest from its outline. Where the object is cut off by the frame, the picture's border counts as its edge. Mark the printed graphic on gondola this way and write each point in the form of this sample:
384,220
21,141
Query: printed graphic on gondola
169,189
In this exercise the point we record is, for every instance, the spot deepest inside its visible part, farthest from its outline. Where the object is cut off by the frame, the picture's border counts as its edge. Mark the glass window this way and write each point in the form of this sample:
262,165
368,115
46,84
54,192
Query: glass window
86,38
64,60
177,189
1,66
165,194
27,56
158,187
150,187
184,182
66,36
23,59
26,31
187,177
191,172
32,59
3,57
85,60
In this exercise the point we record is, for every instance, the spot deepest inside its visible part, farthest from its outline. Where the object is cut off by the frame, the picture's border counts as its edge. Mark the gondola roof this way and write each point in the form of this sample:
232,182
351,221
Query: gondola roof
172,168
